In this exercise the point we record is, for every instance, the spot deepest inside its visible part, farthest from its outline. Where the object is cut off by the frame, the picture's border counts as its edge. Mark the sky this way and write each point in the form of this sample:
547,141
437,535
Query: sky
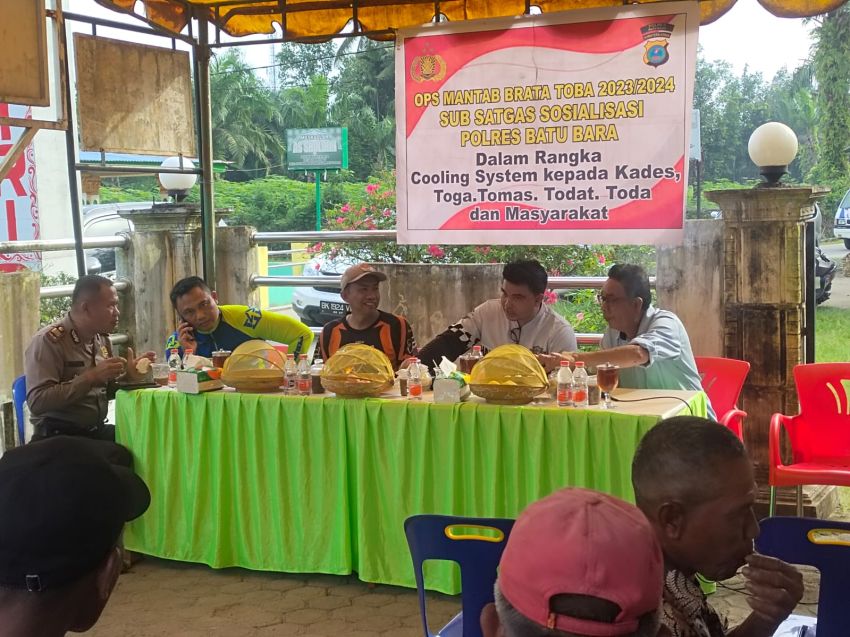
774,44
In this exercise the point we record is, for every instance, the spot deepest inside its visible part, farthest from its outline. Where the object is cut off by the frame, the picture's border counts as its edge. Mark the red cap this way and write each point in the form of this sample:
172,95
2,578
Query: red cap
581,542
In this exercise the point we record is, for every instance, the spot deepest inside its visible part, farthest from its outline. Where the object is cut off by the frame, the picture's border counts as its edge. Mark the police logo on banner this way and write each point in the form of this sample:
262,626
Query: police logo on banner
656,36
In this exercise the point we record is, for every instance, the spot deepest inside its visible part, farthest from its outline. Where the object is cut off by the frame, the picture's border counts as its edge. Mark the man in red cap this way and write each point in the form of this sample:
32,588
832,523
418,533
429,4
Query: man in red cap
577,564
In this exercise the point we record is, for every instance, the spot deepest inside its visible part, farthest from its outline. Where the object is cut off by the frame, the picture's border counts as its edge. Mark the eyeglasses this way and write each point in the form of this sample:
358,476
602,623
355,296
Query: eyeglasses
516,332
610,300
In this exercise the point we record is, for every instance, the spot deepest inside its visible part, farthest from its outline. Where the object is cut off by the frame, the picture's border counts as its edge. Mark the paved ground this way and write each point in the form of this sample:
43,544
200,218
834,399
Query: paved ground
840,296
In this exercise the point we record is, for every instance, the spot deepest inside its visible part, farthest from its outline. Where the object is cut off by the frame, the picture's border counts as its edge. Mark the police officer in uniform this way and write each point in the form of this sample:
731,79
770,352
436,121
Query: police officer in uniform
71,369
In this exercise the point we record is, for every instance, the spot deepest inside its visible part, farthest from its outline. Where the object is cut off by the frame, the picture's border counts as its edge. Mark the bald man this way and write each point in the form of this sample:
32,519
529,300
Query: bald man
694,482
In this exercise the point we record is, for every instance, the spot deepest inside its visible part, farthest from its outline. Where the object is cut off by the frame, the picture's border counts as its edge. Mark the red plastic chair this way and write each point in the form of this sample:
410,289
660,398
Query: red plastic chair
722,380
819,434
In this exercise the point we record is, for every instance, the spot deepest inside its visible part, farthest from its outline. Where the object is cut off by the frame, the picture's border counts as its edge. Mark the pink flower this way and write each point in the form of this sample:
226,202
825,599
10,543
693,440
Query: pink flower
317,266
340,220
579,317
570,262
387,212
387,193
601,259
370,188
549,297
436,251
482,249
345,208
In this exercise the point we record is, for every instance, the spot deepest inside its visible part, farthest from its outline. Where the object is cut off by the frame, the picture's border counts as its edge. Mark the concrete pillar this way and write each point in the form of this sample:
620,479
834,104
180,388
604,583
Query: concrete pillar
689,282
432,297
19,320
764,297
236,260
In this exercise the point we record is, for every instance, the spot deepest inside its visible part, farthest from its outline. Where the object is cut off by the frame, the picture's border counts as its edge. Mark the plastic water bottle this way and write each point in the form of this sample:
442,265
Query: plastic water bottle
565,385
580,385
305,382
186,354
174,365
414,381
290,375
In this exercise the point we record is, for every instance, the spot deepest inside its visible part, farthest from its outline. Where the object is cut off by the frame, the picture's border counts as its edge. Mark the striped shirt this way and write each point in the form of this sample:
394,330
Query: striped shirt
390,333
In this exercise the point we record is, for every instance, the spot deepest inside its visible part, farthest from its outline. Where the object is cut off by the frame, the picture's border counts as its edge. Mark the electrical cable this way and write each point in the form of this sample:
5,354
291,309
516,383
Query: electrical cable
640,400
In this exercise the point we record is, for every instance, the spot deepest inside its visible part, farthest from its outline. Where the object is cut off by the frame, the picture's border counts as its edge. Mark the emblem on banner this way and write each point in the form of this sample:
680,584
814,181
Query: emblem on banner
428,68
656,36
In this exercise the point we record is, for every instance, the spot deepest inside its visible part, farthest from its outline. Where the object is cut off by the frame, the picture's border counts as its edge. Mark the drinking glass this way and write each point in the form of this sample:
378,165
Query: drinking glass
607,377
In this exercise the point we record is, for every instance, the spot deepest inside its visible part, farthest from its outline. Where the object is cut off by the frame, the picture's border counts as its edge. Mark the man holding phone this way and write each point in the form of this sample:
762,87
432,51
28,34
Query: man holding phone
206,326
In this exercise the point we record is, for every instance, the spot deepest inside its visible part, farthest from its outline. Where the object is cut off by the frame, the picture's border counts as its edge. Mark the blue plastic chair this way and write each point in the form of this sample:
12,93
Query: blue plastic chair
19,397
437,537
826,546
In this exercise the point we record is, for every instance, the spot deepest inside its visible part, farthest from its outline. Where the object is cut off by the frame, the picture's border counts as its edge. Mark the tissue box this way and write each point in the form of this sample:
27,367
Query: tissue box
449,390
195,381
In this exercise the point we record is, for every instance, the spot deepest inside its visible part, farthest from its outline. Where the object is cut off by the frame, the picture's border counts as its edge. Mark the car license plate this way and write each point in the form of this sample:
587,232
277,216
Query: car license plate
840,222
330,307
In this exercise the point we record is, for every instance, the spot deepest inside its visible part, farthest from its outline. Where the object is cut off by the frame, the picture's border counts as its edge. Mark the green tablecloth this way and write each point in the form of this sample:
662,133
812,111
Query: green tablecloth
323,485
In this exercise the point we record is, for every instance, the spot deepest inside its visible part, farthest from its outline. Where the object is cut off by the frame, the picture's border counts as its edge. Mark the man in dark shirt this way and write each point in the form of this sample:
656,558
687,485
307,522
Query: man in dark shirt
365,323
694,482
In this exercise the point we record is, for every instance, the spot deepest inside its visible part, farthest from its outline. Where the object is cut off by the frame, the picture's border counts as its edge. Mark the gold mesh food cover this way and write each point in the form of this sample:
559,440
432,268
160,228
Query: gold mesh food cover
509,365
253,361
359,363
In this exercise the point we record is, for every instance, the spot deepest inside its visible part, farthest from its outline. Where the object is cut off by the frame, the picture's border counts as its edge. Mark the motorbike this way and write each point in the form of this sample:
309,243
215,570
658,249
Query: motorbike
825,270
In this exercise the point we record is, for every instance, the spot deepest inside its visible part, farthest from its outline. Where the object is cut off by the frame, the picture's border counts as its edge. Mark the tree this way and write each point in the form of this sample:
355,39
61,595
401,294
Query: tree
298,64
832,72
245,117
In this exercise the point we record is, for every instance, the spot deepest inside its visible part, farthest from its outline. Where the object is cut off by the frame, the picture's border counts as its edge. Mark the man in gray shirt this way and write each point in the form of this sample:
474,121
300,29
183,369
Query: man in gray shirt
71,369
519,316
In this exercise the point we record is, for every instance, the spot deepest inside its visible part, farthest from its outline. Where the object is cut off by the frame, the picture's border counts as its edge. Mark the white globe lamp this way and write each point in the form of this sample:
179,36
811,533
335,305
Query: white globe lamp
178,185
772,147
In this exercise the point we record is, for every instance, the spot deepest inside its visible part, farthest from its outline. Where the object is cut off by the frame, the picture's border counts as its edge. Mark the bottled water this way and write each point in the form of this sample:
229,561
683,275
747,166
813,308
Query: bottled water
290,374
580,385
174,365
414,381
305,382
565,385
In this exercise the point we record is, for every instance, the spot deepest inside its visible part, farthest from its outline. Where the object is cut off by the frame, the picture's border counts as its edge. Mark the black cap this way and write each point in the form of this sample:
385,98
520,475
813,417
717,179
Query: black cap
62,508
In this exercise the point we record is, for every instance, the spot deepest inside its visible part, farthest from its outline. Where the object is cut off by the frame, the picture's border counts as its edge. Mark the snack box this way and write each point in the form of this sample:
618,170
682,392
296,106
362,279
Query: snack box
195,381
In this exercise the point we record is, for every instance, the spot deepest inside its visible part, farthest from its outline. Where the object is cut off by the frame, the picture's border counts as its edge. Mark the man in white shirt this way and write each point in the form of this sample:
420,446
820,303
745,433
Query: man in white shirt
519,316
650,346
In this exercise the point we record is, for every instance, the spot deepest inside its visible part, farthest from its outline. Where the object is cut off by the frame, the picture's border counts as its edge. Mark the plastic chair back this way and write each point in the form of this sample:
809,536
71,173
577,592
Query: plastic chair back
826,546
444,537
821,432
722,380
19,397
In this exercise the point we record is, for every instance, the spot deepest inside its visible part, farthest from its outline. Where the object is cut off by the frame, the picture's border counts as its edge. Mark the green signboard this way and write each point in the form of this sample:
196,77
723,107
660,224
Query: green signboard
316,148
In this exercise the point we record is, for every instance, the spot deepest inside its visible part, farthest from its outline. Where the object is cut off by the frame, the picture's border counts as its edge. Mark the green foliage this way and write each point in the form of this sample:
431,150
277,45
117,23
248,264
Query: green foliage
54,309
832,71
832,325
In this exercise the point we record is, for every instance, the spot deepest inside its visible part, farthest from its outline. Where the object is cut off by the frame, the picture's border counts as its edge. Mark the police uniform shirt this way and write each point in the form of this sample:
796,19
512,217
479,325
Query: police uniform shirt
54,363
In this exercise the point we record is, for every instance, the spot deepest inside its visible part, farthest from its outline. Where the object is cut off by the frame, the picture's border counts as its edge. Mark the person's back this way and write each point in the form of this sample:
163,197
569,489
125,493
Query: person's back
578,563
62,509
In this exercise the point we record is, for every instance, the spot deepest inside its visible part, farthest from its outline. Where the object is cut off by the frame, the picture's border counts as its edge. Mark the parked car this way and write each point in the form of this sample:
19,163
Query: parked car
841,224
102,220
316,306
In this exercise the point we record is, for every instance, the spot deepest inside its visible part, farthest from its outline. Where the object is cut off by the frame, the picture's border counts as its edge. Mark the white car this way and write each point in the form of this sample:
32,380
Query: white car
841,224
317,305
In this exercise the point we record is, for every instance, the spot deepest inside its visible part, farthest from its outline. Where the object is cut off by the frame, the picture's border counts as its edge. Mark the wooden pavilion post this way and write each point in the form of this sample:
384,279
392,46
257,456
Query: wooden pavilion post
765,317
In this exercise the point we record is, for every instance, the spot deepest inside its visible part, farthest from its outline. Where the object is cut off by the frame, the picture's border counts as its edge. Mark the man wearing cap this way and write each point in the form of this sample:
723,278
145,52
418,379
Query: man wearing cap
578,563
693,479
365,323
62,509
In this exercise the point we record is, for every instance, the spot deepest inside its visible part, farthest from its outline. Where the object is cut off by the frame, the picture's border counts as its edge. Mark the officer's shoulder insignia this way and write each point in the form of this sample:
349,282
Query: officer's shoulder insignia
74,337
56,333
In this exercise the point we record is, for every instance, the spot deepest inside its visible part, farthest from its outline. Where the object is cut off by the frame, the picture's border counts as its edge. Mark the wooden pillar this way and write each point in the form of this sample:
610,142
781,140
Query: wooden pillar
764,298
237,260
689,282
19,320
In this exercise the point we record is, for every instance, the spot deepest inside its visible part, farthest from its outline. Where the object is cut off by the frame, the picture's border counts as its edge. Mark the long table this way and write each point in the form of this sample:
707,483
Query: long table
323,484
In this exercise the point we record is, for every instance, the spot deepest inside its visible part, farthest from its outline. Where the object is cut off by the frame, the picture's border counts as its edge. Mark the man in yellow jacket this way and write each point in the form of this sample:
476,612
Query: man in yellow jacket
206,326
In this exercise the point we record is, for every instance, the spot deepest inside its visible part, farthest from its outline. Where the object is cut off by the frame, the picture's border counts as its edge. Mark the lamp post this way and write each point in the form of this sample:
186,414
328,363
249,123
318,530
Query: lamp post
178,185
772,147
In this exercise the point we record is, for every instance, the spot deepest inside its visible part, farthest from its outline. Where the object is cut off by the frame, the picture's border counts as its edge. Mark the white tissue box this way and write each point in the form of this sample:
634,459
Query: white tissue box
448,390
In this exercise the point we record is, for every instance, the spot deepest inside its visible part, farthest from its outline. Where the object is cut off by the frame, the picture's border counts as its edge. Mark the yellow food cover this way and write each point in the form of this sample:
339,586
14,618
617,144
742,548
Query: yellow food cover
509,365
254,358
359,363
